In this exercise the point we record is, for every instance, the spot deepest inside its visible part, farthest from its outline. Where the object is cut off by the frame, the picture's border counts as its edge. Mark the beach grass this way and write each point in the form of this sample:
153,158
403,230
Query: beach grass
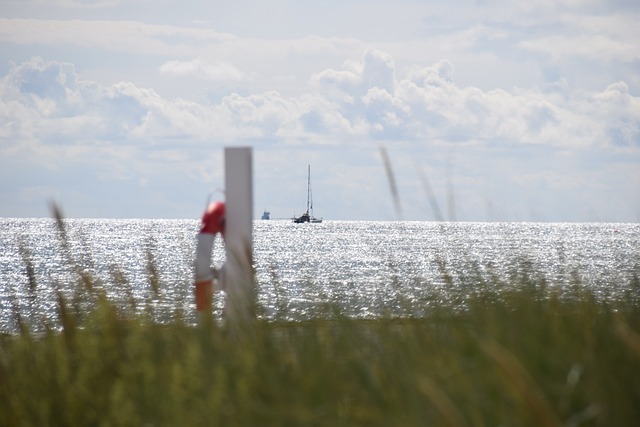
516,353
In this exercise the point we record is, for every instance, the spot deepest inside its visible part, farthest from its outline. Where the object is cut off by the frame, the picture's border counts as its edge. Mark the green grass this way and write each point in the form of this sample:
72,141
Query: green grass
519,353
530,357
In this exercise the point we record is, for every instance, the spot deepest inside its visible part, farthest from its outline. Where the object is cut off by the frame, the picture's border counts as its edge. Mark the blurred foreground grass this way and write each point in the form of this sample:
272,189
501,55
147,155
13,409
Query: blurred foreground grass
519,353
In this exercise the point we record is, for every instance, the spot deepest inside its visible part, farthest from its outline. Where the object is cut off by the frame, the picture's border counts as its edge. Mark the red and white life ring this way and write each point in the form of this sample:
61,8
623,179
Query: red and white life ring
212,223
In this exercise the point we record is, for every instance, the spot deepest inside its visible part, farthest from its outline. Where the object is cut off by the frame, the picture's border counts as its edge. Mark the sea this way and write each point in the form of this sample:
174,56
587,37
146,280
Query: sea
360,269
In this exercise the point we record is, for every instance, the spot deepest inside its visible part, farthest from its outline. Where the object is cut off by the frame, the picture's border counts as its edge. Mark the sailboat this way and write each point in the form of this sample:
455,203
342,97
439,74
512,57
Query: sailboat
308,215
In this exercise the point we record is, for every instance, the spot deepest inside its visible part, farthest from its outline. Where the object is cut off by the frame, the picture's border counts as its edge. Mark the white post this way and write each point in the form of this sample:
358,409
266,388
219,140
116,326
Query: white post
240,304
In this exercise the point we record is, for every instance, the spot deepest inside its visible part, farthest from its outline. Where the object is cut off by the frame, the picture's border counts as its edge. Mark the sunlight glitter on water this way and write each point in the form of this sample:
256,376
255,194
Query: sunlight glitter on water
365,269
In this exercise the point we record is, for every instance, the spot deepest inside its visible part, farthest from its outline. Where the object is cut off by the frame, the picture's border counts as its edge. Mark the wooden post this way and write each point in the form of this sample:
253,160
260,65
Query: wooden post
239,280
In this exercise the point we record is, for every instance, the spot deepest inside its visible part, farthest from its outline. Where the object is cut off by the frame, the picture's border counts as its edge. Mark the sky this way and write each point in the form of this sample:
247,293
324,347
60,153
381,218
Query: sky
487,110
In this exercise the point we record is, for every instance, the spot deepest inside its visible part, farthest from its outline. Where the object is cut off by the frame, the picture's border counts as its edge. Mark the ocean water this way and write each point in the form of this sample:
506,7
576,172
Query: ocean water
361,268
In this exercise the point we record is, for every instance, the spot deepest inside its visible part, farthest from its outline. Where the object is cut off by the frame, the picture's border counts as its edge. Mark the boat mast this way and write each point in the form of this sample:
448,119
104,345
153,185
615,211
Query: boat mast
308,186
311,199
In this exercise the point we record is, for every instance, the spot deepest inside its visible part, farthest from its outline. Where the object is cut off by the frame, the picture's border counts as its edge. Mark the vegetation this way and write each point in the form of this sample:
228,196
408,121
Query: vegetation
519,353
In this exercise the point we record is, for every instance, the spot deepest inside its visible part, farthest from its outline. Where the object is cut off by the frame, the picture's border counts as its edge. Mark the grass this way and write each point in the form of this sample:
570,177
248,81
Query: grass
519,353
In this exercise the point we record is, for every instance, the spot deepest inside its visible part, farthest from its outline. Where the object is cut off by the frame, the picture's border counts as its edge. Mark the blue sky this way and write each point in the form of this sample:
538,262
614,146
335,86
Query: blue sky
504,110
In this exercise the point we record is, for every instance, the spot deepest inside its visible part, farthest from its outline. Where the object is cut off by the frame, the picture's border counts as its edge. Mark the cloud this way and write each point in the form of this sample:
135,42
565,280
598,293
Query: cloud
376,70
426,104
529,103
604,37
173,41
48,101
622,112
201,69
79,4
592,47
118,36
56,121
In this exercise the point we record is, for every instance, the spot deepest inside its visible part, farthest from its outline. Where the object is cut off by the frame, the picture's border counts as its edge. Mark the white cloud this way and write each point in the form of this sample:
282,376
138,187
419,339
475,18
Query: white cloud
201,69
47,100
79,4
593,47
507,90
120,36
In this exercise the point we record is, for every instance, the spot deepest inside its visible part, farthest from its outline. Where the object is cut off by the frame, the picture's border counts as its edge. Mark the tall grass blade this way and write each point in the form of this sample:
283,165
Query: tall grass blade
392,181
152,268
517,377
629,337
451,415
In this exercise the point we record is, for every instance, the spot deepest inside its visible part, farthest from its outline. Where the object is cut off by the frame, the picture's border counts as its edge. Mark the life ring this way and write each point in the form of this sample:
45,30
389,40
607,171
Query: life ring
206,278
